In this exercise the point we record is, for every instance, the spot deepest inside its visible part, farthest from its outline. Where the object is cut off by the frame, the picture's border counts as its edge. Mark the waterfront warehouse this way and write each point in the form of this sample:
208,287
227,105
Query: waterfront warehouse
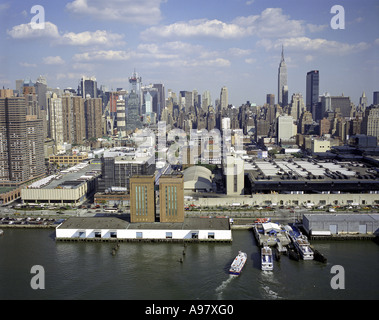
341,224
105,228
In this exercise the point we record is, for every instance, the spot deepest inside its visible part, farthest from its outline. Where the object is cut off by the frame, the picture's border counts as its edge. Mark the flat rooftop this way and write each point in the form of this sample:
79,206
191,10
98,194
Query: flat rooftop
299,169
94,223
194,223
351,217
69,178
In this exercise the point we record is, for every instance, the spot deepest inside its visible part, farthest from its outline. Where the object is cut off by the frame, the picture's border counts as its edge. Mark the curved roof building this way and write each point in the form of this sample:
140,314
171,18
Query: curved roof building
197,178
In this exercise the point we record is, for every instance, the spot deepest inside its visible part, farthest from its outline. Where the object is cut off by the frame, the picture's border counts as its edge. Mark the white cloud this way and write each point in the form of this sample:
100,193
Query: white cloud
195,28
25,31
146,12
305,44
86,38
53,60
102,55
270,23
237,52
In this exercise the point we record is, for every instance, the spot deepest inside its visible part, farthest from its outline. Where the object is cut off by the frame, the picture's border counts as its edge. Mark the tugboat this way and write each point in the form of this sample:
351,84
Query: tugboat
238,263
266,258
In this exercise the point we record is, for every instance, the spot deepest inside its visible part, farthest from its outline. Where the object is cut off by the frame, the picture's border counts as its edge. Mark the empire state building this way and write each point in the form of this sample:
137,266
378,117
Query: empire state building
282,82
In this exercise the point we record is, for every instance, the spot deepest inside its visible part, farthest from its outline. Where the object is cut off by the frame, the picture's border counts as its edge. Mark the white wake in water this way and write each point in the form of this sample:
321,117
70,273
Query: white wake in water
220,289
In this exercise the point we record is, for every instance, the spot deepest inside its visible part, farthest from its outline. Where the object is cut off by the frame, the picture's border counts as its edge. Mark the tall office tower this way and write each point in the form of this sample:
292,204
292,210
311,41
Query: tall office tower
41,90
282,81
19,85
121,117
68,117
270,99
161,99
363,102
271,113
375,98
35,145
135,85
133,119
142,198
79,121
326,103
312,88
297,106
29,93
224,98
88,86
56,119
186,100
286,128
234,172
171,198
370,122
21,142
93,117
341,104
207,100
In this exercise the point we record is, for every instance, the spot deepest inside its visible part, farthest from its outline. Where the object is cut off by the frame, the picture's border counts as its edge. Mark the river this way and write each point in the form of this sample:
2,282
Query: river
153,271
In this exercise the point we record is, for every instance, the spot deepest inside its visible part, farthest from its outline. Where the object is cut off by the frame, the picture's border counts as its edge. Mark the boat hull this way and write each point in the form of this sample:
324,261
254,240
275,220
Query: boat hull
238,264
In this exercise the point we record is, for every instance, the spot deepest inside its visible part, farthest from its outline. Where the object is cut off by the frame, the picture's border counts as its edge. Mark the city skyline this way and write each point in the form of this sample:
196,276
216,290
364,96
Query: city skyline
196,45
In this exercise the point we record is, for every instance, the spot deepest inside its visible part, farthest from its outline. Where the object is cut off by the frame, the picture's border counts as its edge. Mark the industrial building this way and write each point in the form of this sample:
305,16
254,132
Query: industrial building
104,228
311,177
337,224
142,198
70,187
171,198
197,179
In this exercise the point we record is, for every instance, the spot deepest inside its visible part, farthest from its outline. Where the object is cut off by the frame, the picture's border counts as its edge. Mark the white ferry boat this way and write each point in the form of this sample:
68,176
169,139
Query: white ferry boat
304,247
238,263
266,258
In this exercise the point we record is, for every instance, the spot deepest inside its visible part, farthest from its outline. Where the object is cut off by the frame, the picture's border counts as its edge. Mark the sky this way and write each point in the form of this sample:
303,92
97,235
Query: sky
197,44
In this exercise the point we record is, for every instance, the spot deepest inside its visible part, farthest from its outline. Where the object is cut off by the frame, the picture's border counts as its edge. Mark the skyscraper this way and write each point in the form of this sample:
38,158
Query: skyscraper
223,98
21,142
88,86
313,80
282,82
270,99
92,108
161,99
56,119
136,87
133,119
375,98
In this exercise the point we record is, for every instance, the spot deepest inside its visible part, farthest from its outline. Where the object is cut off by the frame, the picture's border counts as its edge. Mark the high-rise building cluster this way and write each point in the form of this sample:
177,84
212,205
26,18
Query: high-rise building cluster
37,121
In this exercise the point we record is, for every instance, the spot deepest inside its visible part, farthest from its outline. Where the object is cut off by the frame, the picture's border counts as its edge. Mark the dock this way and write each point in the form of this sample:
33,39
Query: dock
271,238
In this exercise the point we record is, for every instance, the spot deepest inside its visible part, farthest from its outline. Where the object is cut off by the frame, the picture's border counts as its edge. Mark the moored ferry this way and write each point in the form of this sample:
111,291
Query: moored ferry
304,248
238,263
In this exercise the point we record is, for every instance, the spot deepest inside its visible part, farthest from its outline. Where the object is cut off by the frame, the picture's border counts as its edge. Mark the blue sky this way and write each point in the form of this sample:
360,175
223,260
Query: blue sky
188,45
